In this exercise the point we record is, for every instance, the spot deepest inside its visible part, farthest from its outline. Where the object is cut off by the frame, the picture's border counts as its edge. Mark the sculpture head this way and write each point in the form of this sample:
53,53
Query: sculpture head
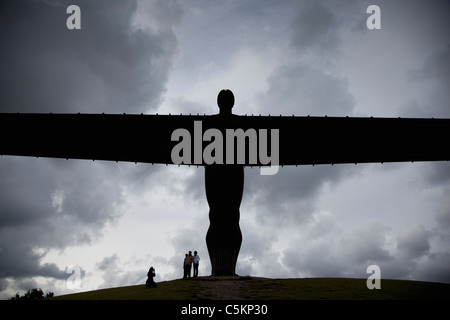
225,101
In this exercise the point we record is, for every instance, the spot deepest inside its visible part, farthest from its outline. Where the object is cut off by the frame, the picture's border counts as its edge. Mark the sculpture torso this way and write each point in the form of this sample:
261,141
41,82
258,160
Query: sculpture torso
224,187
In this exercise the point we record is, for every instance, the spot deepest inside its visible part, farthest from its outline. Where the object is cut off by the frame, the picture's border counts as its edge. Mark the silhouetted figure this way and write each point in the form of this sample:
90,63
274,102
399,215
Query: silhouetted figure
185,266
224,186
150,283
189,261
196,263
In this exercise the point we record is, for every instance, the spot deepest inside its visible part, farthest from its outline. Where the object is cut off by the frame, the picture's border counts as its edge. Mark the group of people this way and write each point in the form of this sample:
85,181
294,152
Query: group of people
188,261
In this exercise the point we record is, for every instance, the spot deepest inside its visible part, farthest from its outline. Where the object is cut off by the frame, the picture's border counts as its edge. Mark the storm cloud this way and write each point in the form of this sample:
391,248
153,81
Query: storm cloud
110,65
116,63
290,57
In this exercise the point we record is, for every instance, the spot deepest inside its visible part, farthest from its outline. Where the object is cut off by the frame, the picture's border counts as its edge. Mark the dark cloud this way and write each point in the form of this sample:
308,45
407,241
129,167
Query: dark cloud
437,174
115,275
298,88
435,268
443,212
116,63
319,27
434,75
436,66
290,198
308,263
365,245
419,255
109,65
290,195
322,248
414,243
20,259
337,252
54,204
50,206
420,250
120,61
304,90
315,27
3,284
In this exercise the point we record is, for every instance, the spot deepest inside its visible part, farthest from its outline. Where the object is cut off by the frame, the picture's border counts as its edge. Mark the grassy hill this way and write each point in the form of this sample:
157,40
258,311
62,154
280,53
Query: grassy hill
251,288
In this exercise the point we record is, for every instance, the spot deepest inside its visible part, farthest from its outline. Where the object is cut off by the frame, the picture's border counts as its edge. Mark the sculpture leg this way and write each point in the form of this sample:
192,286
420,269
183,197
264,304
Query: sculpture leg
224,188
223,248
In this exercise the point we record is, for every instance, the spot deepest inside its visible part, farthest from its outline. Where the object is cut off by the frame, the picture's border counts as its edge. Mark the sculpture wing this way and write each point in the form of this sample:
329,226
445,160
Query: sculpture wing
330,140
134,138
147,138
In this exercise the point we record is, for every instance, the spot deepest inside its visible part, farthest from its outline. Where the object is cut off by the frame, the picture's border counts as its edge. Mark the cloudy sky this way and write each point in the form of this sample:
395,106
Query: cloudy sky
115,220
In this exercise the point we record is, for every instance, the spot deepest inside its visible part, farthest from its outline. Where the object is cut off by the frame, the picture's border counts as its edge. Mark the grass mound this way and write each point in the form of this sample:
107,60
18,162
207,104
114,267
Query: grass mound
251,288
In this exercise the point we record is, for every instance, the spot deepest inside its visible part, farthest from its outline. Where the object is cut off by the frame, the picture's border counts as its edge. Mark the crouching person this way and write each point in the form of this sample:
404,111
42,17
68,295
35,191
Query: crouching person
150,283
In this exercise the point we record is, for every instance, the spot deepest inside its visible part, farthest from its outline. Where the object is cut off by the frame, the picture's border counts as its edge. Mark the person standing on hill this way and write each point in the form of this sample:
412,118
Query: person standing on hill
185,266
189,261
196,262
